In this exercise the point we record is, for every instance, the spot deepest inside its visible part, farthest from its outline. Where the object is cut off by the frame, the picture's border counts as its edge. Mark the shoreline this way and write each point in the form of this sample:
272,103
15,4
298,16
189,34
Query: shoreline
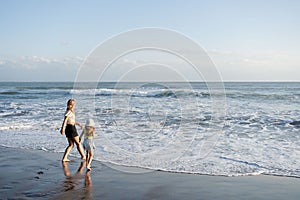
34,174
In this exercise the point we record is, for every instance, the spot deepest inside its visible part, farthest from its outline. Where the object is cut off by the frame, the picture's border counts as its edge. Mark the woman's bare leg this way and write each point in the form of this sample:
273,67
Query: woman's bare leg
79,148
68,149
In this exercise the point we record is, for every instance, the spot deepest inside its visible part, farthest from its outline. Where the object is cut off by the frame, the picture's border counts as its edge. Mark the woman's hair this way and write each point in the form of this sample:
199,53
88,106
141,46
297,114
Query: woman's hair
70,104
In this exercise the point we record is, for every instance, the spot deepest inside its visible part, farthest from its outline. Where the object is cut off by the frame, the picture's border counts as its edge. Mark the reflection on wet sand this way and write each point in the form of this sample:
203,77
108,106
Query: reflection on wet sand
72,182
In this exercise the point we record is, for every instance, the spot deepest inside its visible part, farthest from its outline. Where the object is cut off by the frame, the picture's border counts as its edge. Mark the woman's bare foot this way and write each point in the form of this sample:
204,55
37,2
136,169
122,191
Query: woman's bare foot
66,160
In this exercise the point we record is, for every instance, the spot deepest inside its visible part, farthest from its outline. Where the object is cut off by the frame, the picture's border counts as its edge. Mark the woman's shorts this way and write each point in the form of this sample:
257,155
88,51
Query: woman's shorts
71,131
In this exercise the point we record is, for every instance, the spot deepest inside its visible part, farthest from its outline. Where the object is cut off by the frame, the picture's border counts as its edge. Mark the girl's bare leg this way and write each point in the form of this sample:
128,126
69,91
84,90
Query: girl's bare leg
79,148
89,160
68,149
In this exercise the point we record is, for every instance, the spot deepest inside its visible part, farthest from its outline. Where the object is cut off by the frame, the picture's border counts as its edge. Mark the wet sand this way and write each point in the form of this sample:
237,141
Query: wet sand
33,174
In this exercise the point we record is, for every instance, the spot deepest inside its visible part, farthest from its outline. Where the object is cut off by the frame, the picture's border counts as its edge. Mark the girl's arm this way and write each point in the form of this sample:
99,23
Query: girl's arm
94,132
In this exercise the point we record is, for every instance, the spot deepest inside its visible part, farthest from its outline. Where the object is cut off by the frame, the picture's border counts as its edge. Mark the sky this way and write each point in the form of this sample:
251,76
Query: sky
248,40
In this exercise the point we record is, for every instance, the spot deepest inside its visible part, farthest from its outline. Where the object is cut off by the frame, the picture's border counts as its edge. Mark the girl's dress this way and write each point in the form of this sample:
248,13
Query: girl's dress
88,143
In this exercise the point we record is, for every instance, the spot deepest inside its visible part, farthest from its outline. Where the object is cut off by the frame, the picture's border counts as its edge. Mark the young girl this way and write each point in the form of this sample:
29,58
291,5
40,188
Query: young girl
68,126
88,144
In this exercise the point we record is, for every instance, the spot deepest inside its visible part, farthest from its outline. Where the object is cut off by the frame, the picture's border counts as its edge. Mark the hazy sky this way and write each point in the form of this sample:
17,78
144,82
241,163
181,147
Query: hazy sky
248,40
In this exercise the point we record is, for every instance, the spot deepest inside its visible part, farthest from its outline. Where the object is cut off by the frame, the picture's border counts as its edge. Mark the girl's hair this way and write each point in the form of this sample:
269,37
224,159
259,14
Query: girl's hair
89,130
70,104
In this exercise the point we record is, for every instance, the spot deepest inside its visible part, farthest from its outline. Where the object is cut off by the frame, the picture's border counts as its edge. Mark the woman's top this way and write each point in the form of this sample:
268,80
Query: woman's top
71,115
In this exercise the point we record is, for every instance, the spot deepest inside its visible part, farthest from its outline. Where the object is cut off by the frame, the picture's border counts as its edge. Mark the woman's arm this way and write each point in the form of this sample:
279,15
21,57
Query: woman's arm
62,130
78,124
81,135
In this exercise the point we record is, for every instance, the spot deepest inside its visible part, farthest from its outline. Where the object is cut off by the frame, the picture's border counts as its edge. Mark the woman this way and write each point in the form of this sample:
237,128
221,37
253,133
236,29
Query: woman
70,130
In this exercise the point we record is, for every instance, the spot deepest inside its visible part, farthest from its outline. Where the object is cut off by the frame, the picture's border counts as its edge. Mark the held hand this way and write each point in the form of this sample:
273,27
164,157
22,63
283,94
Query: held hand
78,124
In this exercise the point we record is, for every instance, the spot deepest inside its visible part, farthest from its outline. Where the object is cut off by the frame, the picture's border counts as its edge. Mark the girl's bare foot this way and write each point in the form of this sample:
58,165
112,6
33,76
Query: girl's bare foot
66,160
88,168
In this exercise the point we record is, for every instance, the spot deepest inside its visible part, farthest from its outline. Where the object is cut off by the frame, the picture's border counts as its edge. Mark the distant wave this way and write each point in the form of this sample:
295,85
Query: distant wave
9,93
45,88
15,127
265,96
295,123
32,93
182,93
141,93
148,92
14,114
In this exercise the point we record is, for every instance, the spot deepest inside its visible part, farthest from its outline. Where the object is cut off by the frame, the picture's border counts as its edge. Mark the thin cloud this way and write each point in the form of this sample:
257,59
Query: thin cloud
259,59
39,68
65,43
2,62
267,65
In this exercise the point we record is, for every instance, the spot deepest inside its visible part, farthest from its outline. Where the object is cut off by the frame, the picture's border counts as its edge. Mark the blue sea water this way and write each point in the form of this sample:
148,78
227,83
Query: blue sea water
164,126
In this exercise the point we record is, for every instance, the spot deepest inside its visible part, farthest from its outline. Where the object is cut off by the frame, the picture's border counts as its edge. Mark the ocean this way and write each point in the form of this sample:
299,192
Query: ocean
164,126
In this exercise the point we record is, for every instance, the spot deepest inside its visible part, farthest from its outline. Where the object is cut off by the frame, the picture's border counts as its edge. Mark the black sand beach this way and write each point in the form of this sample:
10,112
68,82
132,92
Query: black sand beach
28,174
